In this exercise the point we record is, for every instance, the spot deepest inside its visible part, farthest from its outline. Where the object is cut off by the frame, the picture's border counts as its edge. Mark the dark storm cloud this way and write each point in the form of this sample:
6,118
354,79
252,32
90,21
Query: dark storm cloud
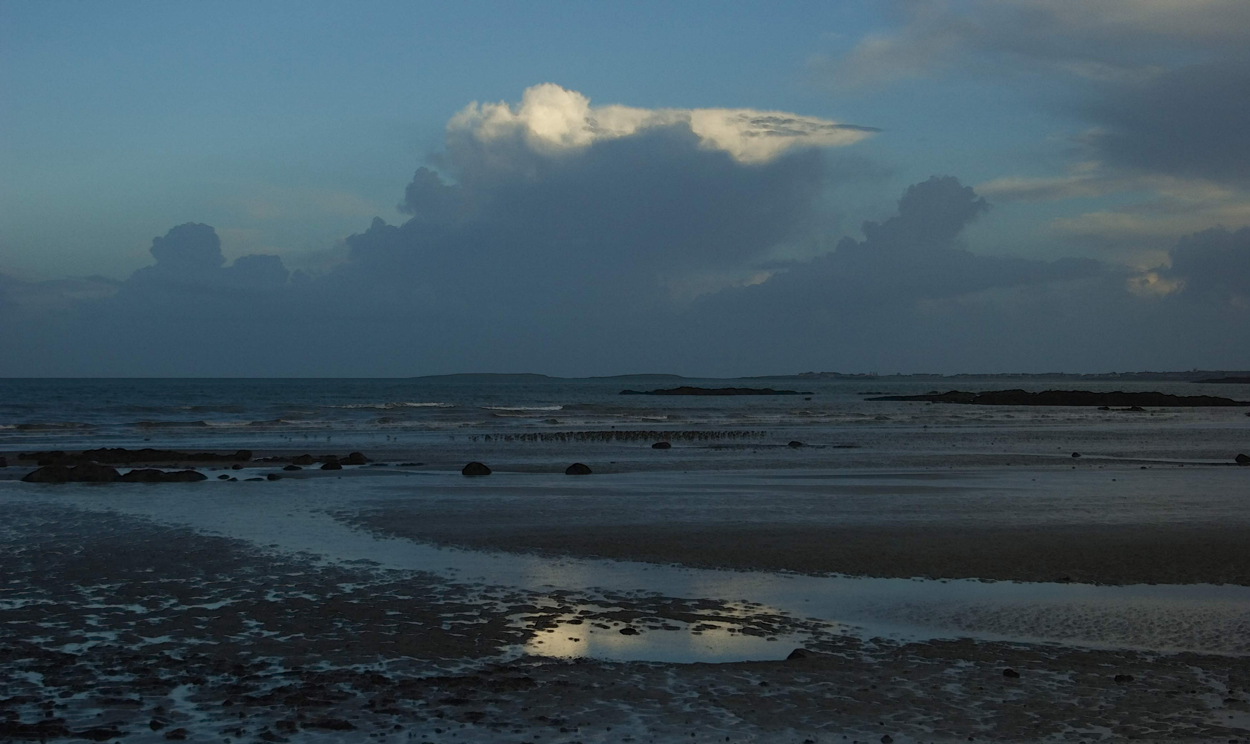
189,258
916,254
1213,265
621,216
874,303
1190,122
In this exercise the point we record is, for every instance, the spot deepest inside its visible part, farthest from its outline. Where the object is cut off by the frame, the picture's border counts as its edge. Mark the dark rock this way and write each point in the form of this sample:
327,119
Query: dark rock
577,469
798,653
1010,673
1076,454
1123,679
355,458
628,631
475,468
661,445
3,463
411,464
156,724
292,468
177,734
49,728
1242,459
149,475
236,467
273,476
795,443
223,476
90,472
304,460
48,474
887,739
253,480
87,472
99,733
331,465
330,724
1067,398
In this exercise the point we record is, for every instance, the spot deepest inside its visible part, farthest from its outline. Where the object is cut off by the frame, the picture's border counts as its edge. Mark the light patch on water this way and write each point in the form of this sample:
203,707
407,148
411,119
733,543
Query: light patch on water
679,645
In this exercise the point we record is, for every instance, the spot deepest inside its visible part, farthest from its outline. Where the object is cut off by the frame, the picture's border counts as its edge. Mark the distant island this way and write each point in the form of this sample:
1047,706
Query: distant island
687,390
1066,398
1227,381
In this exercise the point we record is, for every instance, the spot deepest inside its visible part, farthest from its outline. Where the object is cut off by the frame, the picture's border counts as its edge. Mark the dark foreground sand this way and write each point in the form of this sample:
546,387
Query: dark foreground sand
113,626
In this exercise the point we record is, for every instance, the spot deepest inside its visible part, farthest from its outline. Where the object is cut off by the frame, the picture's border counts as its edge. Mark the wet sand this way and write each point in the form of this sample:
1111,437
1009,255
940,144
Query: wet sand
116,626
1103,554
1101,525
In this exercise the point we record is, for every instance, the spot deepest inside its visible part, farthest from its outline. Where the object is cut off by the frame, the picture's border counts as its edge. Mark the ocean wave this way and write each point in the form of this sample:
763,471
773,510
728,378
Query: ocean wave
167,424
390,406
522,408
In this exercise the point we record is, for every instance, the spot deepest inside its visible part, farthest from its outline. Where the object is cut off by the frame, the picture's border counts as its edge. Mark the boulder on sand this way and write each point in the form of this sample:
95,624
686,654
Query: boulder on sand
661,445
355,458
331,465
577,469
303,460
292,467
475,468
1242,459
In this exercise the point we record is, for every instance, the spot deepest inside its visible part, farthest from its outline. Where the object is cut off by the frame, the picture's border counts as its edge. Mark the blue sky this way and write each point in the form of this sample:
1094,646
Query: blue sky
289,125
1105,132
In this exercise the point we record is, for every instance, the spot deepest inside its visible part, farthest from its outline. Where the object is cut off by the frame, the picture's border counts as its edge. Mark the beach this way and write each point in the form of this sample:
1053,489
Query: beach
874,584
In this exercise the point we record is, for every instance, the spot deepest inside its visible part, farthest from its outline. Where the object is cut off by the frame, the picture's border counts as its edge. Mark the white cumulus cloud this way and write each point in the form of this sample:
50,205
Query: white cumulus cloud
551,118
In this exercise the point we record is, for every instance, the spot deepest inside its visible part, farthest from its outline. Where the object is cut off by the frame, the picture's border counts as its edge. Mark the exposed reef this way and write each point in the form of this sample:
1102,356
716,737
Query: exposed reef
1066,398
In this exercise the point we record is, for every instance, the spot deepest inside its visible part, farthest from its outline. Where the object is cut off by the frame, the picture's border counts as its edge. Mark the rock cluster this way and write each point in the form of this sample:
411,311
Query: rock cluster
1067,398
91,472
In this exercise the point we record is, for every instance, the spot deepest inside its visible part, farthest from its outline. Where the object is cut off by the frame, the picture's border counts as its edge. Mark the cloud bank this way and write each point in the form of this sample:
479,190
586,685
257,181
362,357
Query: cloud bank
558,237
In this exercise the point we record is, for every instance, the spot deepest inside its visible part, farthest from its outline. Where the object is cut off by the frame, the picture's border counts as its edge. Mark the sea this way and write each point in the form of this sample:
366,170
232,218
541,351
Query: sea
516,416
823,454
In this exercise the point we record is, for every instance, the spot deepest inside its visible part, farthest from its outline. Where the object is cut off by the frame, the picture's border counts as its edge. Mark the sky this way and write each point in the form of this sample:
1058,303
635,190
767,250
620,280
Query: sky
393,189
